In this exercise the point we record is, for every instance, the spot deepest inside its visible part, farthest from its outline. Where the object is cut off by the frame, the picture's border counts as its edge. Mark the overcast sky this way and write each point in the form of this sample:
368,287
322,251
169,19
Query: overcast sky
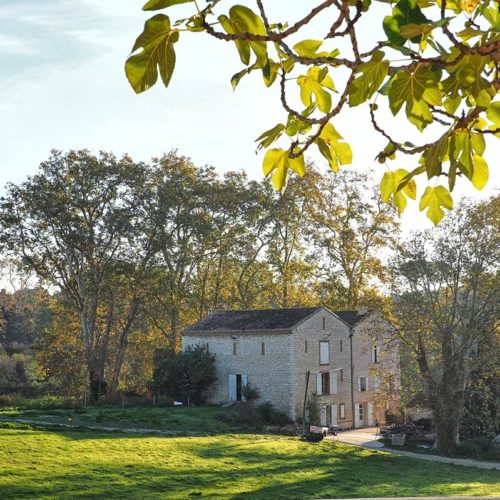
62,86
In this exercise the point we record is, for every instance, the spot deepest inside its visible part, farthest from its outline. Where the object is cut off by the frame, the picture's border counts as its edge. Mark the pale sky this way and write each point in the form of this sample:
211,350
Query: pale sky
62,86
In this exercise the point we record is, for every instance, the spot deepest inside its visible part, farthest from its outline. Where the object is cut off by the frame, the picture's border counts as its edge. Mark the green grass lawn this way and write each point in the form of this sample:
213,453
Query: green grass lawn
84,464
203,419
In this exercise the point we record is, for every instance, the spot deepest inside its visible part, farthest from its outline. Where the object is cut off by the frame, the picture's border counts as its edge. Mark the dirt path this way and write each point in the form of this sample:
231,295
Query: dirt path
367,438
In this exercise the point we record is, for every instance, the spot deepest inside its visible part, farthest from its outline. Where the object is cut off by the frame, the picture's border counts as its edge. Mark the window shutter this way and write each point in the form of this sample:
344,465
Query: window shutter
319,384
359,384
232,387
333,382
244,385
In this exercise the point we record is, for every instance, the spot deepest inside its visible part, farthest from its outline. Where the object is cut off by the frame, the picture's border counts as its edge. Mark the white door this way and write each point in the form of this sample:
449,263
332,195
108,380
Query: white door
322,415
371,419
358,412
232,388
334,414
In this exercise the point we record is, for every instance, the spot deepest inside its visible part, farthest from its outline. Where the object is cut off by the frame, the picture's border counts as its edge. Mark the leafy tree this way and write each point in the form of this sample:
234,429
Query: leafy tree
75,226
351,229
186,375
287,251
433,61
176,210
448,307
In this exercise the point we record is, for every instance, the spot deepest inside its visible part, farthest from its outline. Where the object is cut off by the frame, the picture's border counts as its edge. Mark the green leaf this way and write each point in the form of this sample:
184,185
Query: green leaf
163,4
331,145
493,113
246,21
296,126
372,76
481,174
277,160
417,90
231,27
434,155
404,12
269,136
412,30
314,84
157,42
433,199
235,79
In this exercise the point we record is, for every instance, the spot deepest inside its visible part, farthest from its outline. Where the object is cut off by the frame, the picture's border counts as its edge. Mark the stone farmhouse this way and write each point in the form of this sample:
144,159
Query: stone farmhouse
346,357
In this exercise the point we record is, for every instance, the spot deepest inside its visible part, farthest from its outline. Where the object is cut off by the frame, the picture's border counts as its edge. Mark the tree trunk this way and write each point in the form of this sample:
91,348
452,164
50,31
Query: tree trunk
446,421
97,385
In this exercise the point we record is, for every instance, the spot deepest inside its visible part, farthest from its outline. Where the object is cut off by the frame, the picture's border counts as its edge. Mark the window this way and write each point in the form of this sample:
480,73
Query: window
305,347
376,382
362,384
341,374
324,352
324,323
374,353
341,346
326,383
234,348
341,410
360,412
263,348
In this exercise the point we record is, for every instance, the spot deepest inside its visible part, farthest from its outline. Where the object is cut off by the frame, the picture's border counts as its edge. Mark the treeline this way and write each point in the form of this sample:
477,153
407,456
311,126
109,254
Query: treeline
133,252
127,254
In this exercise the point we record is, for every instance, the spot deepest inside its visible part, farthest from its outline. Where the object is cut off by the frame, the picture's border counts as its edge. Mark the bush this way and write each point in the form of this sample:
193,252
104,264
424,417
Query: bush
271,416
185,376
312,410
479,448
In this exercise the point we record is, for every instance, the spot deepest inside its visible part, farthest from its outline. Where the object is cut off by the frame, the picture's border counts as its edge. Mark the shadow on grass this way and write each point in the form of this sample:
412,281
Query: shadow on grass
317,474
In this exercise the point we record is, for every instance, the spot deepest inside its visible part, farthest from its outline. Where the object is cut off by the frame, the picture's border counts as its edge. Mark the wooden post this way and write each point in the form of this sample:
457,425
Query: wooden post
308,374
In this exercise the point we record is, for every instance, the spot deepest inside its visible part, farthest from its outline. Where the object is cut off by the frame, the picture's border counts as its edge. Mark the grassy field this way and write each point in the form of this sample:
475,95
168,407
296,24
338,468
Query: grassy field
84,464
203,419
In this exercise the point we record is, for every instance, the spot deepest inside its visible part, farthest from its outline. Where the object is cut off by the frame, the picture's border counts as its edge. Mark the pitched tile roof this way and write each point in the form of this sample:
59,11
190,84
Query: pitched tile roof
350,317
251,320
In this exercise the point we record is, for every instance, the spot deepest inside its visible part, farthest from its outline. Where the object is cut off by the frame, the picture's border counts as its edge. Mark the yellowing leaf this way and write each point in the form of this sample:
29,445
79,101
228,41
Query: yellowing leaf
390,186
313,85
277,160
433,199
481,174
330,146
469,5
163,4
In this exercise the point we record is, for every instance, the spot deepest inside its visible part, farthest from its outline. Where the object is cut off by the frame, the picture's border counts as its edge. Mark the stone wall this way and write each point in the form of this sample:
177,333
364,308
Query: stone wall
269,373
313,332
374,330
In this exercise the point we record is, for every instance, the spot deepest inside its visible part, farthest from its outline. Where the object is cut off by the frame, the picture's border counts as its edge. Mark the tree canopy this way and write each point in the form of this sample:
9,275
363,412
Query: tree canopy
435,62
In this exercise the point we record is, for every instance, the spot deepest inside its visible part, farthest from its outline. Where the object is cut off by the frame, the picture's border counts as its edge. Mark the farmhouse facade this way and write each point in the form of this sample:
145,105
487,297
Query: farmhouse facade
344,357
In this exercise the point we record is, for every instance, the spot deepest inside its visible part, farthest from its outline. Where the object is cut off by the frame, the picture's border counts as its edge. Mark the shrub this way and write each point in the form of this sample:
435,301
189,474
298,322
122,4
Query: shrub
312,410
271,416
186,376
479,448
